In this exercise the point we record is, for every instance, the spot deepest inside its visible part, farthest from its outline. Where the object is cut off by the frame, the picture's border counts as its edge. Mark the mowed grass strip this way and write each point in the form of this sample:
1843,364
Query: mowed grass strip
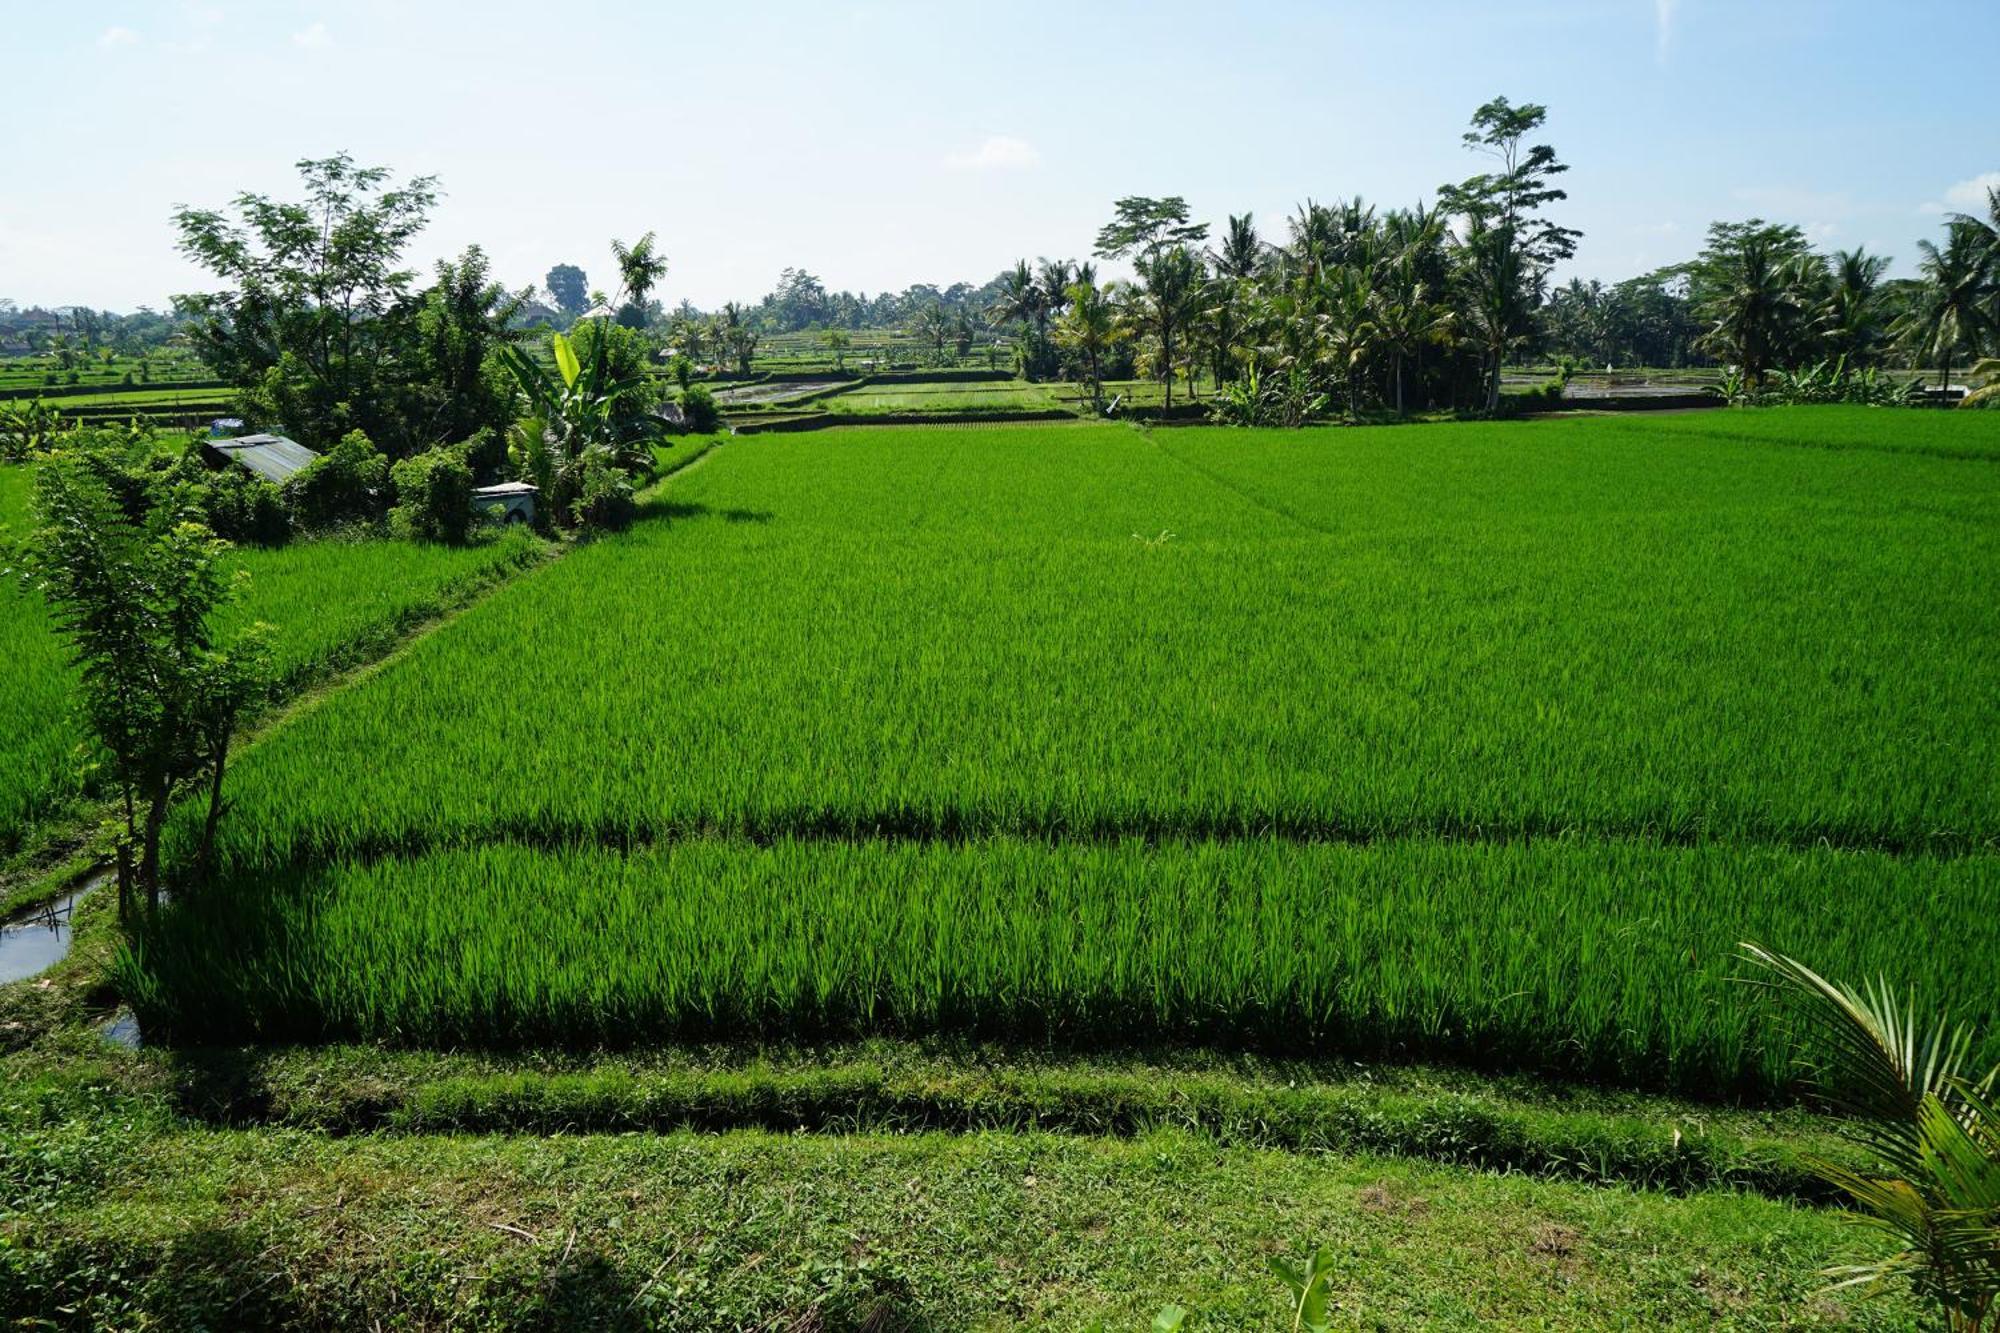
332,603
1611,961
1076,632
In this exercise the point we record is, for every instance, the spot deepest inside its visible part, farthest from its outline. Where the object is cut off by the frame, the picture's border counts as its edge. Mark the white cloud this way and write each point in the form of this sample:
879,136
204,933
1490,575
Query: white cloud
119,37
997,152
1664,12
311,36
1821,232
1968,196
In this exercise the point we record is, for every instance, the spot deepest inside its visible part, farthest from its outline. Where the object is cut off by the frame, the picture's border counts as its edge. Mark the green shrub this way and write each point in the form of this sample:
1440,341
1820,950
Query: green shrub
604,500
347,484
239,507
434,496
699,410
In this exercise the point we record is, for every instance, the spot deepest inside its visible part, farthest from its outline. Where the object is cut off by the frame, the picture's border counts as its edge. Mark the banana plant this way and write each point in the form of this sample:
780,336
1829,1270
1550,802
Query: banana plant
578,417
1311,1286
1903,1084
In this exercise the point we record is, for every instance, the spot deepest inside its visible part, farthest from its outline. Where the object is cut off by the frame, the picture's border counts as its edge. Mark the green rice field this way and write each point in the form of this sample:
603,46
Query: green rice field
917,399
1482,742
331,603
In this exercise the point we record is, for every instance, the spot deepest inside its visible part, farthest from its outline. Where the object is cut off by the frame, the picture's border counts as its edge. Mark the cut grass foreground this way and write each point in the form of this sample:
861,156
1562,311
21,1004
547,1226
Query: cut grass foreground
129,1218
1503,736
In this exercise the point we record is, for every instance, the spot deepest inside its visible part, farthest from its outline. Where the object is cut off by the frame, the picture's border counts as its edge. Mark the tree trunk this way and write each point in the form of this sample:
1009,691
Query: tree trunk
149,850
205,857
1399,384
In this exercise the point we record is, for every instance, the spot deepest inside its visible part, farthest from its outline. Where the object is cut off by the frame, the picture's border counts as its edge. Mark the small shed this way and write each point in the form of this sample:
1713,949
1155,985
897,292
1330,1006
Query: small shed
272,458
510,502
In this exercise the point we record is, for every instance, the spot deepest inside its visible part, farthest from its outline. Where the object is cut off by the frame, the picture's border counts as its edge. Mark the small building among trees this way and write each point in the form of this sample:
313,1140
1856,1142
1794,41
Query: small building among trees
271,458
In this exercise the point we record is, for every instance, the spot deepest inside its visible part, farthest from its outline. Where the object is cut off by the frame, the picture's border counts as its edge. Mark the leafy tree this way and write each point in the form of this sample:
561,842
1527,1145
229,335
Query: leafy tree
1509,247
570,288
160,691
460,387
837,342
1144,227
319,301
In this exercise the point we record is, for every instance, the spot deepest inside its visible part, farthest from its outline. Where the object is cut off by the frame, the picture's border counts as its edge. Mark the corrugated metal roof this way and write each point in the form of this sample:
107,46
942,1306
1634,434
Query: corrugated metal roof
504,488
272,457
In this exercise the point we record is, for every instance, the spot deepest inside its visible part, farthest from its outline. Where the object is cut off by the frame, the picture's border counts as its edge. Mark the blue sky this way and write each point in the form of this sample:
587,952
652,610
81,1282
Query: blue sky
881,144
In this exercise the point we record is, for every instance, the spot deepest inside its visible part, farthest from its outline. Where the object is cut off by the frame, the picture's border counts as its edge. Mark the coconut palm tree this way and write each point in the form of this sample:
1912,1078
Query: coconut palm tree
1407,319
1242,254
1953,305
1755,308
1162,305
1089,327
640,268
1851,319
1904,1091
1498,312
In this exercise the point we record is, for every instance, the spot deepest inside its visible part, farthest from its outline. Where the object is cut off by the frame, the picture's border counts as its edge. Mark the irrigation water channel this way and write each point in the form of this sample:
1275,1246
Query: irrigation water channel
38,939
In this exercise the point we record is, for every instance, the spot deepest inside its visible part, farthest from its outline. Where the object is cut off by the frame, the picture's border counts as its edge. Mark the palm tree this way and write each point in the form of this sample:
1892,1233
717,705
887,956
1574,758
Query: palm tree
1988,373
1020,298
1163,304
1987,230
1754,310
1906,1097
640,268
1054,279
1350,334
1850,319
1407,319
1242,255
1953,305
1089,327
1498,312
935,326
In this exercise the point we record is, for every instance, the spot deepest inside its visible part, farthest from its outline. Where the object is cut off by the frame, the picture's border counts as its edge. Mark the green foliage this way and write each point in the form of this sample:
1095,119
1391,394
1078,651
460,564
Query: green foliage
235,505
347,484
604,500
593,418
1144,227
1833,382
158,691
334,603
698,410
28,430
316,324
433,496
1904,1085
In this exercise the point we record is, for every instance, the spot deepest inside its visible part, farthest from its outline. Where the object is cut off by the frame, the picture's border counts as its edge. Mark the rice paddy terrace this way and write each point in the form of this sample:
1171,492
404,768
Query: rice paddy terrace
1480,743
